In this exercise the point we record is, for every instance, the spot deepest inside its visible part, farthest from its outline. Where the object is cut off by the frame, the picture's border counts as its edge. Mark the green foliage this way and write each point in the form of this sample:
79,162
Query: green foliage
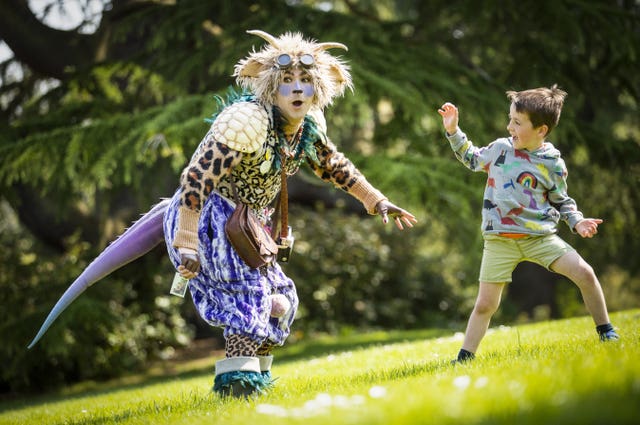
100,145
547,373
350,271
91,152
113,328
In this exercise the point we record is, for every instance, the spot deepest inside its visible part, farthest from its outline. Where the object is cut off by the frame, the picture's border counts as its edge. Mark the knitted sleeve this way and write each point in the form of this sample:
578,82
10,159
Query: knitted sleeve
239,128
211,161
334,167
473,157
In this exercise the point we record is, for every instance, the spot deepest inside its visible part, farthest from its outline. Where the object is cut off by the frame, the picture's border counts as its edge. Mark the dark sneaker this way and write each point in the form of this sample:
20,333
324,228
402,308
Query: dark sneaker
610,335
461,361
464,356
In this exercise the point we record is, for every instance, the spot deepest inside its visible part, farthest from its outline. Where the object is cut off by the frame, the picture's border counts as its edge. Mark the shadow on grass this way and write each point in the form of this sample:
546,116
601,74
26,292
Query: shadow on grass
308,348
325,345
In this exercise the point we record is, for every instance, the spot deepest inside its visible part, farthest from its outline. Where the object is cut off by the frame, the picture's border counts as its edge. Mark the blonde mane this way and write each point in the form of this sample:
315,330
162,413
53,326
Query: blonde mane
258,74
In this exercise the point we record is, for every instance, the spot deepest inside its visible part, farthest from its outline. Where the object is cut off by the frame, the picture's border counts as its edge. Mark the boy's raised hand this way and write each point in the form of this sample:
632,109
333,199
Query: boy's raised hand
449,113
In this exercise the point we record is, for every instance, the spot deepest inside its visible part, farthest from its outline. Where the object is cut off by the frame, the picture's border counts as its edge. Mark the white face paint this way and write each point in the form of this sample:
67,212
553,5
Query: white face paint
295,96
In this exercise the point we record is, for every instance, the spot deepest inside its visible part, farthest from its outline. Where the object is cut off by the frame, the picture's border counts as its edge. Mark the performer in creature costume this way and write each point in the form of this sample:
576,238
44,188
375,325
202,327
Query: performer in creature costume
278,122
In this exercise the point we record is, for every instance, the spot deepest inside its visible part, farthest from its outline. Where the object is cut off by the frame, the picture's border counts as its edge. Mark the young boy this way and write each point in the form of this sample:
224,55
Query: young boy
524,199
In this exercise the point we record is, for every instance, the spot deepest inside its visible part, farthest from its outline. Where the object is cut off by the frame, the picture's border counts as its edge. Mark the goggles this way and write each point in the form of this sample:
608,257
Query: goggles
285,61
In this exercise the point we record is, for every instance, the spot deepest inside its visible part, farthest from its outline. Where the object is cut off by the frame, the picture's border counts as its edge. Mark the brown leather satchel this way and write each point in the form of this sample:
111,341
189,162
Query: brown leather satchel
248,236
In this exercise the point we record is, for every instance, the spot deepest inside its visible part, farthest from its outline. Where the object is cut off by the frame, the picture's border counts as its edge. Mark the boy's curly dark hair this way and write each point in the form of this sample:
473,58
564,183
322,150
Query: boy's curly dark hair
543,105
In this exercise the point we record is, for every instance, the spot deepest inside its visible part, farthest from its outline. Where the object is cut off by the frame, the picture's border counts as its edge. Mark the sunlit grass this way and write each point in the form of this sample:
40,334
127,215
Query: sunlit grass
554,372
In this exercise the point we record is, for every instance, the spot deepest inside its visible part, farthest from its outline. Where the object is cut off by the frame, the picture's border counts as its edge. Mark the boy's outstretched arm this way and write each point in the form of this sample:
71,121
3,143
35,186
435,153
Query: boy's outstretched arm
449,113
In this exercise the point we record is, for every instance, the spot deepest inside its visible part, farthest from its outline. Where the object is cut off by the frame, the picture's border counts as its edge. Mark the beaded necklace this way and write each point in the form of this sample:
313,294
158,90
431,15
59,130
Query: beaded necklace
301,145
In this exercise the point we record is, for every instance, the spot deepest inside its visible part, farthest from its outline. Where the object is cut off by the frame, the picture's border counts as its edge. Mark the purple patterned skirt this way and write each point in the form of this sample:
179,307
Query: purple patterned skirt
227,293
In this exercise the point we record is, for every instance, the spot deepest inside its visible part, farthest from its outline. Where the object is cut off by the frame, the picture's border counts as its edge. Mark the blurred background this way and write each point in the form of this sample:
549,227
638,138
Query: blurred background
103,102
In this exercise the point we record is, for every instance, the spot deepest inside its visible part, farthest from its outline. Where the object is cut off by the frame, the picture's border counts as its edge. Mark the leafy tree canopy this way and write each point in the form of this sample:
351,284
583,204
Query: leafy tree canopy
97,120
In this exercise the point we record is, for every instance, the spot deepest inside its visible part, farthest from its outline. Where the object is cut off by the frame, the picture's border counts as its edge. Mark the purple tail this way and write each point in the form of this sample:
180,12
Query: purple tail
136,241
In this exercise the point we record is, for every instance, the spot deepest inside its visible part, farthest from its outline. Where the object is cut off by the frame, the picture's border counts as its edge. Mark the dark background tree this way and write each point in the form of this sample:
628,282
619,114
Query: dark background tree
99,118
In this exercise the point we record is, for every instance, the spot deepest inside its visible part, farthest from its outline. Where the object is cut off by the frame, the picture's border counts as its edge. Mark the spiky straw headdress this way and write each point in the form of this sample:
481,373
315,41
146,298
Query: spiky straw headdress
259,74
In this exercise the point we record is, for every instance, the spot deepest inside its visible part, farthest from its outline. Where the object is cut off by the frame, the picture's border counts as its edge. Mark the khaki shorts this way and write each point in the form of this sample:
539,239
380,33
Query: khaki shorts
501,255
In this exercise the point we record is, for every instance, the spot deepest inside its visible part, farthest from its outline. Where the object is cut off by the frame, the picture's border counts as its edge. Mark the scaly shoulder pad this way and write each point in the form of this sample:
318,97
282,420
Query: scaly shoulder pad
242,126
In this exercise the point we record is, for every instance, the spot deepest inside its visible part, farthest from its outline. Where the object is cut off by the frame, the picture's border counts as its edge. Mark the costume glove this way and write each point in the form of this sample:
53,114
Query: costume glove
189,259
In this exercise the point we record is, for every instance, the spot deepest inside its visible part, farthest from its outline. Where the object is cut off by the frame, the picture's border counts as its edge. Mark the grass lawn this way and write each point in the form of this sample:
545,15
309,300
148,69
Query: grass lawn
554,372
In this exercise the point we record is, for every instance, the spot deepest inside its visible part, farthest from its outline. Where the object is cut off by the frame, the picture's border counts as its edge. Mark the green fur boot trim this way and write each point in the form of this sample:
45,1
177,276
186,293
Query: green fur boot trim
241,383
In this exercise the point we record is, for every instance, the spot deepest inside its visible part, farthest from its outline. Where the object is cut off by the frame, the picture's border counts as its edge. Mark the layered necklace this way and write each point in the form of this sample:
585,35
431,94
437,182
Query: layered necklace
299,145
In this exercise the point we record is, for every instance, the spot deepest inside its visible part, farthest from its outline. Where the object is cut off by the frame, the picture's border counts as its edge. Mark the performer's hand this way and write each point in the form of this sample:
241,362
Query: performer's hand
386,209
189,263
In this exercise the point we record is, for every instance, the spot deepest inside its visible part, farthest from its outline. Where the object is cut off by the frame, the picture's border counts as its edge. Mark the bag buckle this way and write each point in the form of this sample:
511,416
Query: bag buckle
285,247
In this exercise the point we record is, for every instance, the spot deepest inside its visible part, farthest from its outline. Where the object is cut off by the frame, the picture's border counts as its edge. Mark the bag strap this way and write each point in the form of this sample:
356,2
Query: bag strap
233,188
284,202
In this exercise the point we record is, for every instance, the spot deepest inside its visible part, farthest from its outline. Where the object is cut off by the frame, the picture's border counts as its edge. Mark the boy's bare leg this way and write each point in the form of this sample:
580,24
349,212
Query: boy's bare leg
487,303
573,266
